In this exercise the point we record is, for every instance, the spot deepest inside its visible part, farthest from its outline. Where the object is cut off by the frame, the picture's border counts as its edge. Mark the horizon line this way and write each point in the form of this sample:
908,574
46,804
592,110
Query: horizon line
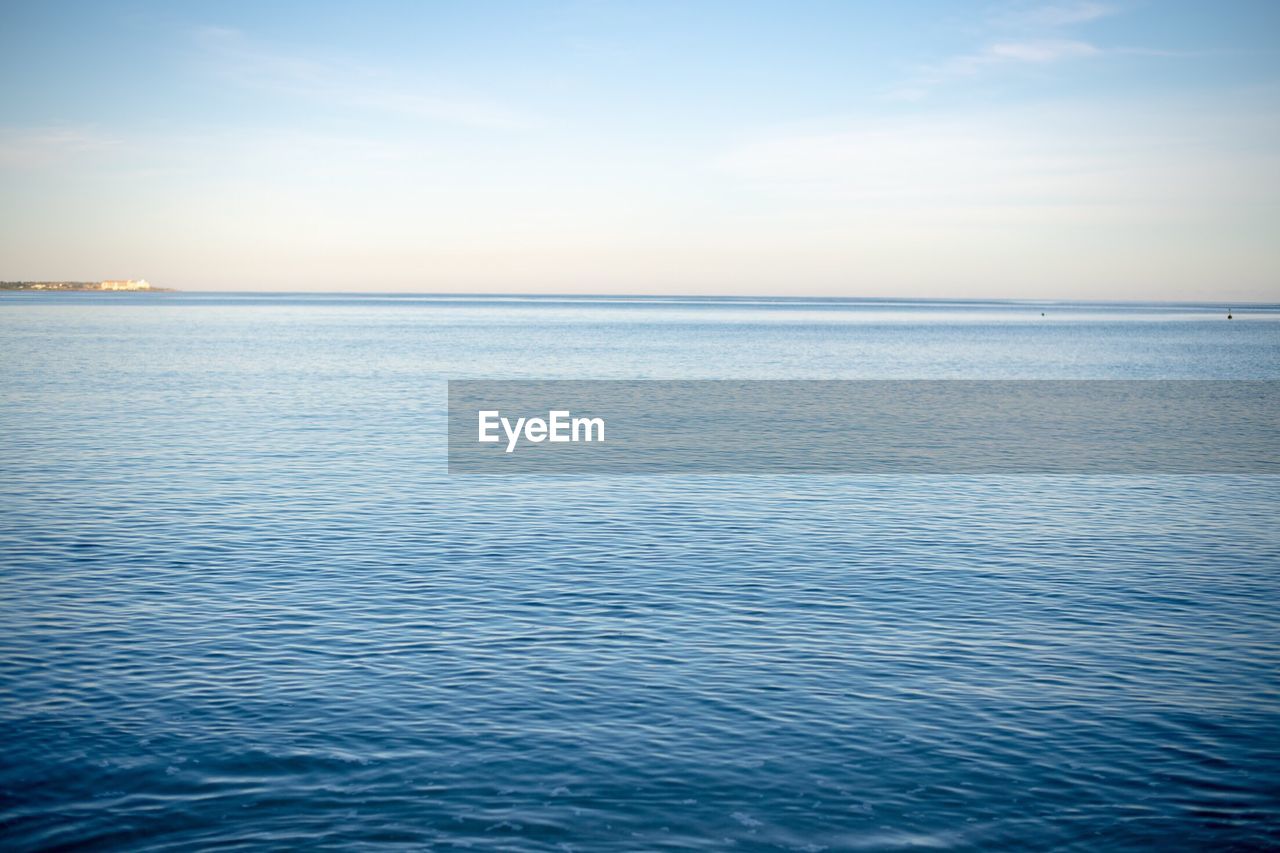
657,297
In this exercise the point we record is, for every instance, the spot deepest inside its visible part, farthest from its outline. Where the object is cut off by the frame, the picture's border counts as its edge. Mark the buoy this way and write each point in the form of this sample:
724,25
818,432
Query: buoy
1228,313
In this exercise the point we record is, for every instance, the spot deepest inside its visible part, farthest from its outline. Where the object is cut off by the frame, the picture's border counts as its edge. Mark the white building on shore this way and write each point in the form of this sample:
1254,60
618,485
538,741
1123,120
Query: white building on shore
131,284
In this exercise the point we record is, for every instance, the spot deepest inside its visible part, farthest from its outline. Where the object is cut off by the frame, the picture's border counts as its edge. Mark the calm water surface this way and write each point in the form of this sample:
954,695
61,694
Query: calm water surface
243,606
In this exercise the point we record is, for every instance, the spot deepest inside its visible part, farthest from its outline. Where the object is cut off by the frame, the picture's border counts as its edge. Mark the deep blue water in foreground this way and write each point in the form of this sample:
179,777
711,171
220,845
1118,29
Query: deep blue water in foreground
243,605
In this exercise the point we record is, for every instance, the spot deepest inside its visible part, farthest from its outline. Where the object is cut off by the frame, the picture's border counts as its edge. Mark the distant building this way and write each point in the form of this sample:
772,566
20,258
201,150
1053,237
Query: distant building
131,284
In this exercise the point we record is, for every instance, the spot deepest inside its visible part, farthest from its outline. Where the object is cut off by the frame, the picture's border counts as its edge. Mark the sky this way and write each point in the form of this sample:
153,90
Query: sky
1034,150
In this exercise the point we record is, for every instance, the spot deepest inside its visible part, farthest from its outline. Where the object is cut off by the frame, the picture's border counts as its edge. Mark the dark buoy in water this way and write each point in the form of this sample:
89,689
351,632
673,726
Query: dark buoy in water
1228,313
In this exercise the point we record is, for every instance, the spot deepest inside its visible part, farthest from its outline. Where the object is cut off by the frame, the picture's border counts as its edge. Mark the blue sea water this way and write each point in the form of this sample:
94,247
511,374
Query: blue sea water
244,606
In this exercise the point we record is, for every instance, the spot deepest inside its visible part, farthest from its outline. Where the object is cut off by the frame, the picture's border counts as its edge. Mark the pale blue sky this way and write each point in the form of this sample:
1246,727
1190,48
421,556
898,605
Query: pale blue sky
1015,149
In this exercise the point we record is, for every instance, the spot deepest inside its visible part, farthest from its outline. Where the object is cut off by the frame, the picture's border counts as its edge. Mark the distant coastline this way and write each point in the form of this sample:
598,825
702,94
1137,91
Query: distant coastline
112,286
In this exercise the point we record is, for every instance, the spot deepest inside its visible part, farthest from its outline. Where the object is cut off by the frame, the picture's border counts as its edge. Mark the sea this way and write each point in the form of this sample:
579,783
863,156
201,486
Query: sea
244,605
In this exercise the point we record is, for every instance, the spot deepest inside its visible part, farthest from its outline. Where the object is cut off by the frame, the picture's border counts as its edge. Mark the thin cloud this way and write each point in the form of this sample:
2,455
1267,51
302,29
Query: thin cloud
336,82
1035,51
1056,16
994,56
1027,36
